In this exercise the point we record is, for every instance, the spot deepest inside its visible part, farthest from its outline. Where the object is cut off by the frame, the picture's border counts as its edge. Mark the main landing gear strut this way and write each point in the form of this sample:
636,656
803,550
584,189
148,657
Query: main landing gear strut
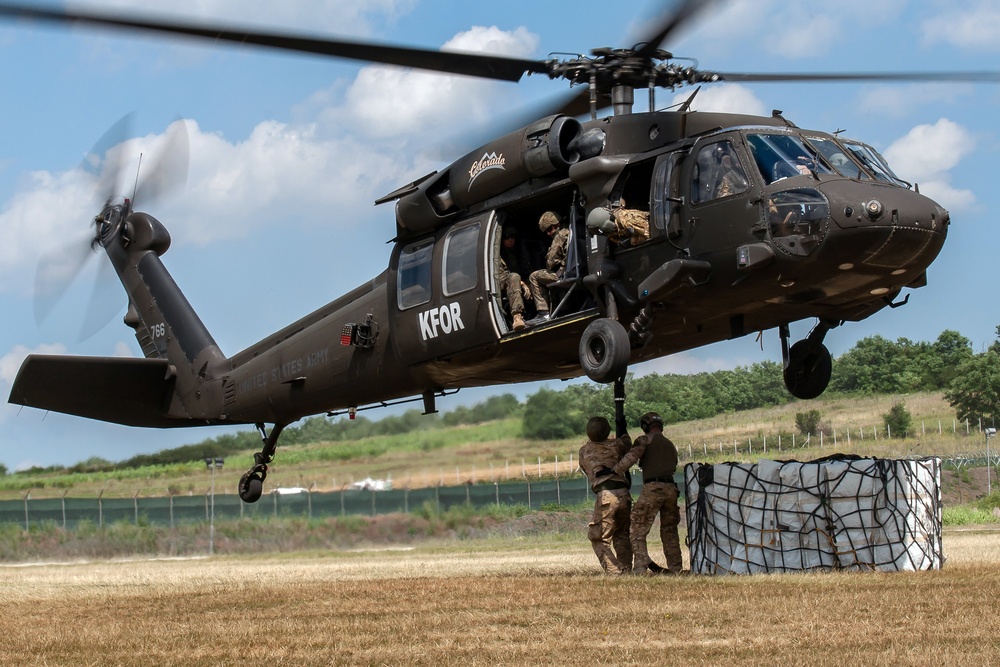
808,364
252,482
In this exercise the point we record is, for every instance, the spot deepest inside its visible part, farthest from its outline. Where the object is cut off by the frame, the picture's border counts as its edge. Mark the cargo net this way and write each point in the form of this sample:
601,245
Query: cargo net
837,513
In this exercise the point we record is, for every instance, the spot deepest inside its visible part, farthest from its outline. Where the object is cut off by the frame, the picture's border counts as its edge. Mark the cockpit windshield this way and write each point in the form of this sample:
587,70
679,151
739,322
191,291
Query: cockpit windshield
874,162
839,158
784,155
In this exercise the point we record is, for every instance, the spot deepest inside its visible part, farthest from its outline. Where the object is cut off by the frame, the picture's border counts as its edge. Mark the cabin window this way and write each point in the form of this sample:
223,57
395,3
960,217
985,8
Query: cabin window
717,173
460,266
414,274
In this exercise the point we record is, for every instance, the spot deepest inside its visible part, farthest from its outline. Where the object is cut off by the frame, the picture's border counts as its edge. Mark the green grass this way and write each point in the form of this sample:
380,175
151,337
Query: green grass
967,515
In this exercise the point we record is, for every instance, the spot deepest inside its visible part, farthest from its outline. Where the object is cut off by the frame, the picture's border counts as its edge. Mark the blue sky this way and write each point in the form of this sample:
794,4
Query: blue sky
288,153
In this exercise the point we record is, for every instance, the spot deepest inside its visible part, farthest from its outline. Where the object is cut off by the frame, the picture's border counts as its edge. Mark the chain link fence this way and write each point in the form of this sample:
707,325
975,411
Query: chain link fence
171,510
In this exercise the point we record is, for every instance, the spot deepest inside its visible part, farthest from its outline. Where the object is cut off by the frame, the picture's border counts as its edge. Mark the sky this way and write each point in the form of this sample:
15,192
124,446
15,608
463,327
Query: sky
288,153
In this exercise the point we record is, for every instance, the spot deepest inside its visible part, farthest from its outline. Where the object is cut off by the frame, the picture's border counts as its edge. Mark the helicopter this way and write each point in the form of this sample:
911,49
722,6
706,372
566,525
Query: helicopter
750,223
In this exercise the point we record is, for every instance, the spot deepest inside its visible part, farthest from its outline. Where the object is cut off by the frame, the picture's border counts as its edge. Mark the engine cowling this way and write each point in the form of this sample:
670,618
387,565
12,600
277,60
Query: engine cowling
546,147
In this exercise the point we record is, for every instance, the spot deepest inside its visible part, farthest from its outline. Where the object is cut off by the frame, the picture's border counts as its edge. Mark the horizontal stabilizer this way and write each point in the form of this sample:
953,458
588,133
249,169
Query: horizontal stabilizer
134,392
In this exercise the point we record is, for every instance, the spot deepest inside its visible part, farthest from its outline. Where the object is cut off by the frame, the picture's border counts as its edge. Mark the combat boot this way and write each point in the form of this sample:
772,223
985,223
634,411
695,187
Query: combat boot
518,322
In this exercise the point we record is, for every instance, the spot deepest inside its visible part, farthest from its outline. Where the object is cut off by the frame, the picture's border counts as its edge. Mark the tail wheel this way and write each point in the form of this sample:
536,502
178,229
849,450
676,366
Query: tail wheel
605,350
809,369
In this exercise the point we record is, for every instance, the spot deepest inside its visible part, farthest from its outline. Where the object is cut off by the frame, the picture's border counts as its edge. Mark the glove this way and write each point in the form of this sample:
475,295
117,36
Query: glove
526,291
603,472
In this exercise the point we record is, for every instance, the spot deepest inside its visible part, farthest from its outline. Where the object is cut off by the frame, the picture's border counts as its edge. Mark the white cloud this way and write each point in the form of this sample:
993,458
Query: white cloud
309,172
927,154
726,98
793,30
389,101
122,349
11,362
348,17
975,28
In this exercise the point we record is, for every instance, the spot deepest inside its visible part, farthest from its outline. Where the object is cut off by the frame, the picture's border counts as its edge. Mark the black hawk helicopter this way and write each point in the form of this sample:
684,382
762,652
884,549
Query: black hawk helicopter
682,228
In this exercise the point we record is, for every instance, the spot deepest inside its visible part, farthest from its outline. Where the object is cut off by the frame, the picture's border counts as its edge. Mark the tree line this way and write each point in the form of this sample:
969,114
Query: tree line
875,365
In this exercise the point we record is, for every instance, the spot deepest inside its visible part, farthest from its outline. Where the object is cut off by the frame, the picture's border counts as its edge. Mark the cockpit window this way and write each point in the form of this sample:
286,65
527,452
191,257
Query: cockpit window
781,156
717,173
874,162
839,158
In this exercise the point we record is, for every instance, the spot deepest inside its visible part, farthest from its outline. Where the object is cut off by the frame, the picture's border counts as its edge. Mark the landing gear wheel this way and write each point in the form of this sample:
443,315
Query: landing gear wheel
809,369
251,487
605,350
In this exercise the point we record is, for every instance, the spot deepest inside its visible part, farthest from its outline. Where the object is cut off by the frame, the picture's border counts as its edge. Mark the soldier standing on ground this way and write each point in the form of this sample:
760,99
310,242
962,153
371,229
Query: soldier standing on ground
657,457
609,526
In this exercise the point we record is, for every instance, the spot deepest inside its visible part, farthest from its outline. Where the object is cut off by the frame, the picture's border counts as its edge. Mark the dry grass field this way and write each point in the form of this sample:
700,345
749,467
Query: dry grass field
531,602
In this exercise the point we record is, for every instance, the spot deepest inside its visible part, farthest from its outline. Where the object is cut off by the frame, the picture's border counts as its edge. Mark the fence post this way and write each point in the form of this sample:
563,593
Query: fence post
100,509
64,507
27,495
135,507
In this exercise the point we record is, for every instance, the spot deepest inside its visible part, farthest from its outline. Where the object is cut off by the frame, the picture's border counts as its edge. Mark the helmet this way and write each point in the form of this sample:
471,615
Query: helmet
599,220
598,429
648,420
548,219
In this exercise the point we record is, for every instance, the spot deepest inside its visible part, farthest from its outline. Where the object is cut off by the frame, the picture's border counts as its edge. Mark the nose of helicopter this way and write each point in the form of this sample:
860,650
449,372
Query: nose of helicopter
890,228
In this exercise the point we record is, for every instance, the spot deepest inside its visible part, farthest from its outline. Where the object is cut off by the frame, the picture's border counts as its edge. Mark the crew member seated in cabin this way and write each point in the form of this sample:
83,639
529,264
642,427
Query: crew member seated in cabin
509,270
555,264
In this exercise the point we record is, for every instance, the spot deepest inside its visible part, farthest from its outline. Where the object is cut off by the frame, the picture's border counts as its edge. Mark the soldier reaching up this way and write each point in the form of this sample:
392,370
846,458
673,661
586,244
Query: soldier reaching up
609,526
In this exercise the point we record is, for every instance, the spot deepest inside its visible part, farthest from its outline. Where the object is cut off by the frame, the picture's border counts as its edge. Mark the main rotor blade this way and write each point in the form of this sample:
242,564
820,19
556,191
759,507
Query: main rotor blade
971,77
669,24
470,64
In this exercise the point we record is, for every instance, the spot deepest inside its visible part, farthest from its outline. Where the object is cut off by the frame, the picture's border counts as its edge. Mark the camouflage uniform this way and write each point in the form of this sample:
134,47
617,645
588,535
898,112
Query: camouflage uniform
630,224
555,264
508,276
658,458
610,523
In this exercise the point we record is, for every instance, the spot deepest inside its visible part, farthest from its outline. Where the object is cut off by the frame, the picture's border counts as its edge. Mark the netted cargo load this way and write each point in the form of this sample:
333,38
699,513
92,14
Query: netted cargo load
837,513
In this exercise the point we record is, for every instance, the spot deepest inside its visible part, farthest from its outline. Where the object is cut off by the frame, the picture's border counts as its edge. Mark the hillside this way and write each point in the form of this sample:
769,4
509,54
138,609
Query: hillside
496,450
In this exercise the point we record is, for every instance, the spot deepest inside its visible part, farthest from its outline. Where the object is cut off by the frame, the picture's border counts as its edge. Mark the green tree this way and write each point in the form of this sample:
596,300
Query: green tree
873,366
550,415
975,390
898,420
